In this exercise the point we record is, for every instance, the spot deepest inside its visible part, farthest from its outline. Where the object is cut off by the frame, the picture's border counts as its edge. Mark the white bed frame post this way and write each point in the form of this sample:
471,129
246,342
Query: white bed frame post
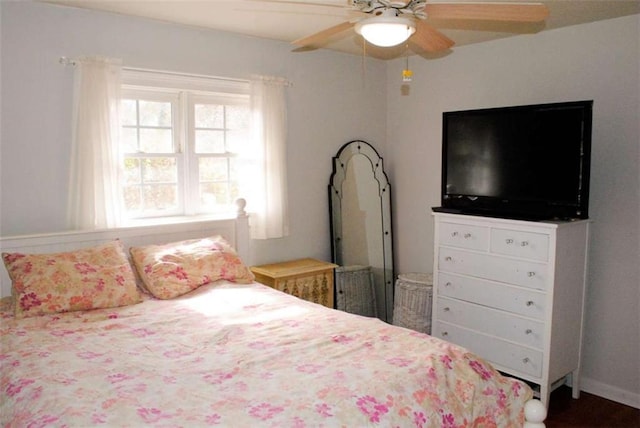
243,238
534,414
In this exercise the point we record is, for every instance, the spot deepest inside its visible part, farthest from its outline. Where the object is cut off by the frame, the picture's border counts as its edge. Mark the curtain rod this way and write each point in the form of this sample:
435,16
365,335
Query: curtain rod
72,62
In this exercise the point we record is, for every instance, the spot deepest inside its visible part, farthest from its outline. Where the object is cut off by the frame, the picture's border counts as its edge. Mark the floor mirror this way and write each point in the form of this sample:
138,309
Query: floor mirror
360,207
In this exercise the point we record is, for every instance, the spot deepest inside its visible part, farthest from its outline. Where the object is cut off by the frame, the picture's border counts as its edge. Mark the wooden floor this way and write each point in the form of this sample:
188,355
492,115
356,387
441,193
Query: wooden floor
589,411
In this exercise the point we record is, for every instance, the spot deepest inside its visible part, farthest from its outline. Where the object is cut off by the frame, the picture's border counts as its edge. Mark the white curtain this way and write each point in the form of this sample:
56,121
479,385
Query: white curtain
94,191
267,197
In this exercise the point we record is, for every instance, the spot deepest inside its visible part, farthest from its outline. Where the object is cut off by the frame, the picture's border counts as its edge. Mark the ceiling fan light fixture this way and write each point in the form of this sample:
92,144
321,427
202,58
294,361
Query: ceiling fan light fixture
386,30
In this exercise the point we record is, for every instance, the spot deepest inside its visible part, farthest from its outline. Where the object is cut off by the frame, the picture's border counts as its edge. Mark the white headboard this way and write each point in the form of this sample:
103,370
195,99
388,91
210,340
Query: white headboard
234,230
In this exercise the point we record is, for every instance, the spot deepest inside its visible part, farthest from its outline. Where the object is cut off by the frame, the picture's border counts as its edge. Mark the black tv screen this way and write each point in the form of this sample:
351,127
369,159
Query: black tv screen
529,162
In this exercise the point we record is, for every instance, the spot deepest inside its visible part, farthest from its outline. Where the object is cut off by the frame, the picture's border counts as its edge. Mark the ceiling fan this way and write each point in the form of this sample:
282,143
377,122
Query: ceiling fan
388,23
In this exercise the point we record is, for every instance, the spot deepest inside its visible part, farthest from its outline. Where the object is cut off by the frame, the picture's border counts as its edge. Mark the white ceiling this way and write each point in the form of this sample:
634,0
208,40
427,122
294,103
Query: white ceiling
288,20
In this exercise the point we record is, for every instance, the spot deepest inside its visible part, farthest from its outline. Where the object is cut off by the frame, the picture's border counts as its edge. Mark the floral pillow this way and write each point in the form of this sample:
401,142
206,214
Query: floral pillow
171,270
91,278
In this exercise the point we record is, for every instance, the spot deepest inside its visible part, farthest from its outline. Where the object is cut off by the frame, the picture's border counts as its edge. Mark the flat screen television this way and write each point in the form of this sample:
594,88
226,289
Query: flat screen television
529,162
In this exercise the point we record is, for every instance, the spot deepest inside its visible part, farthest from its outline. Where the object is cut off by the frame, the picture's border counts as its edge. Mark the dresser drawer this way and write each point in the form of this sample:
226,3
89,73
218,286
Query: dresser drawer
518,272
517,300
527,245
491,321
509,355
464,236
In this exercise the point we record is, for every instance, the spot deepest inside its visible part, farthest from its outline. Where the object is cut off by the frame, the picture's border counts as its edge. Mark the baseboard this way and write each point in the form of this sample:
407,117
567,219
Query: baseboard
610,392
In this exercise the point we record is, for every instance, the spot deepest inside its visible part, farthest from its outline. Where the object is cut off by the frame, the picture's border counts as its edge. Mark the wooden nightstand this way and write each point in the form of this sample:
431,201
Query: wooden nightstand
308,279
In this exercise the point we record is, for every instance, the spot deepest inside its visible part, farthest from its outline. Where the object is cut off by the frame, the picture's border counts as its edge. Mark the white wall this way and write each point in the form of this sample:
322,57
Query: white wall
598,61
329,104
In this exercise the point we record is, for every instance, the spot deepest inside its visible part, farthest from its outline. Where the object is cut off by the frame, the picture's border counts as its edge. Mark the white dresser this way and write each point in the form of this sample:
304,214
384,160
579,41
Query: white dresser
513,292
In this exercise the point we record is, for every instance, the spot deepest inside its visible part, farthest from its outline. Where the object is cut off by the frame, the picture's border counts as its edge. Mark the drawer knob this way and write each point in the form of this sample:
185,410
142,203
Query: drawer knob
447,309
447,284
524,243
531,274
530,302
445,333
526,360
509,241
448,259
454,234
528,331
467,235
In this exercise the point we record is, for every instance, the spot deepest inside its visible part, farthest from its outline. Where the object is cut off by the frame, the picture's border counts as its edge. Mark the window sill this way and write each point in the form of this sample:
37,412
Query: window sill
161,221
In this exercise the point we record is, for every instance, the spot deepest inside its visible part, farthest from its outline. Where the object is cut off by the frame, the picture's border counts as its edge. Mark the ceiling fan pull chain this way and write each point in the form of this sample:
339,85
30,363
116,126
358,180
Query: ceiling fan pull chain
364,62
407,74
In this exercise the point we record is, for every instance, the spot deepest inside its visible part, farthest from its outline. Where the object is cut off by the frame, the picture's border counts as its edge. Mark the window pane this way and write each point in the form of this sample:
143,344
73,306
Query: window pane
213,195
158,197
154,113
156,141
128,112
236,140
160,170
132,171
234,169
209,116
210,141
234,190
212,169
132,198
237,117
129,140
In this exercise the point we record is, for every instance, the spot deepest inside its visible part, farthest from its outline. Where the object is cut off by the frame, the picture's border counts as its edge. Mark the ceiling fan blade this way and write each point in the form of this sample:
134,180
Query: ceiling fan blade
340,4
429,39
322,36
522,12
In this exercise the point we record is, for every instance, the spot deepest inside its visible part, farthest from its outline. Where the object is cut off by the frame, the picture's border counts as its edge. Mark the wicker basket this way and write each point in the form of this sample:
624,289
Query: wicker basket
412,302
354,290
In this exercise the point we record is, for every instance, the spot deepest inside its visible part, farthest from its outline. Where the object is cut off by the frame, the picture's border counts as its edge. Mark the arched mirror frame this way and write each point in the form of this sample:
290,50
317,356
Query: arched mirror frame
384,273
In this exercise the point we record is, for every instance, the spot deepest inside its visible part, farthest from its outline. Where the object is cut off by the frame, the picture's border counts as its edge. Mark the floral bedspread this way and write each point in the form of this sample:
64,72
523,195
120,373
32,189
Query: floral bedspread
241,355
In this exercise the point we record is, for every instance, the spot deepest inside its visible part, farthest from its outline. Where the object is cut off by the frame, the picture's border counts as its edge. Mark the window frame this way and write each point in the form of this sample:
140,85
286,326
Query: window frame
192,99
178,147
187,91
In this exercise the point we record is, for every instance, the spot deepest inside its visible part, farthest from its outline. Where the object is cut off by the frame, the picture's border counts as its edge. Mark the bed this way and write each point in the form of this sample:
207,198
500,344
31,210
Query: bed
231,352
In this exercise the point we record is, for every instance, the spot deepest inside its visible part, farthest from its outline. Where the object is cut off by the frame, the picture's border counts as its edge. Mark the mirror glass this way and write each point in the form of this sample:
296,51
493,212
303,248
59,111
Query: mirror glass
360,201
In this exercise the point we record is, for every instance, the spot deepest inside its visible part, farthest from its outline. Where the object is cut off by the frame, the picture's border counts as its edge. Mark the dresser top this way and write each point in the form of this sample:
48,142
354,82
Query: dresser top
549,224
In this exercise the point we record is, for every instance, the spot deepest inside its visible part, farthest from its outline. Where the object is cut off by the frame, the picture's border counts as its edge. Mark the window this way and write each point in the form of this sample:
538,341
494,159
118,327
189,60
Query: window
185,140
182,147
